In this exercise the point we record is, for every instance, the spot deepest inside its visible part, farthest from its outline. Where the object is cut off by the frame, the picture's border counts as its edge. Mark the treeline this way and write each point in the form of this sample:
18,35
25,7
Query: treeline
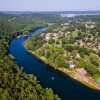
15,84
95,18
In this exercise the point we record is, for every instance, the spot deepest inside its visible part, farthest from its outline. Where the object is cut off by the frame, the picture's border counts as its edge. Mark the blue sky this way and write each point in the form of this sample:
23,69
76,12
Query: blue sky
49,5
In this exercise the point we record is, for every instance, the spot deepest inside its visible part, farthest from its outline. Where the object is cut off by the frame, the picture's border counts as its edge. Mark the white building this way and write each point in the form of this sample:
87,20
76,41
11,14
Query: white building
81,71
48,36
72,64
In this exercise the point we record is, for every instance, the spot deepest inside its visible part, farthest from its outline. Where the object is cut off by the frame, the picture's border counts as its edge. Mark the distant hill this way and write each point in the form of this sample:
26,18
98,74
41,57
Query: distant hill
51,12
16,12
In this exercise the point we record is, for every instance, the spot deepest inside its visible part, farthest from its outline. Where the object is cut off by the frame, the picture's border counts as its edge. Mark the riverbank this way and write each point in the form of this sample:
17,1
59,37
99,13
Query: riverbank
85,80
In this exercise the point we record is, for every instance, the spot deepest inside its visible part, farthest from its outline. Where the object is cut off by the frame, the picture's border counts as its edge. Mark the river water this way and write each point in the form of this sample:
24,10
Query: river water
66,87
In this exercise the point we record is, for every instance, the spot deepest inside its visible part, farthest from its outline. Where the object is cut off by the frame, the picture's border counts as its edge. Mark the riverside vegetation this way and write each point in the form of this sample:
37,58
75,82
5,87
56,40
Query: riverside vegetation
73,47
14,82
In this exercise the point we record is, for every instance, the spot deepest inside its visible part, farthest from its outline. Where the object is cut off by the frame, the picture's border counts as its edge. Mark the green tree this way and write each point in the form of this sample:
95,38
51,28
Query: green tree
51,41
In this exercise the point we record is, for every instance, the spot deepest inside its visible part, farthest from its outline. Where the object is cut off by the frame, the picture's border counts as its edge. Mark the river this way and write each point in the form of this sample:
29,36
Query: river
66,87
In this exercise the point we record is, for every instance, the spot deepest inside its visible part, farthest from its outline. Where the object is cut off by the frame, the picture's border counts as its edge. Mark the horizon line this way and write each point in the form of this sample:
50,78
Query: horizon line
45,10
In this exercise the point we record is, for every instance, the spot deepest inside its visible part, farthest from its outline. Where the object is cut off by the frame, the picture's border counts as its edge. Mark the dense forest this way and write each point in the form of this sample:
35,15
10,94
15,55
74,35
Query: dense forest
15,84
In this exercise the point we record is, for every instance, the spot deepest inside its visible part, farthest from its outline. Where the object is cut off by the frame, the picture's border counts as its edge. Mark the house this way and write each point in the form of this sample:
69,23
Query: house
78,55
95,49
48,36
65,24
89,45
67,34
90,24
99,69
56,35
81,71
72,64
43,35
51,35
80,42
99,46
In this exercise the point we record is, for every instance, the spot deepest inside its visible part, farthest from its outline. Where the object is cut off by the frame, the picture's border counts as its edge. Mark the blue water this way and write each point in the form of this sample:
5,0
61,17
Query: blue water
66,87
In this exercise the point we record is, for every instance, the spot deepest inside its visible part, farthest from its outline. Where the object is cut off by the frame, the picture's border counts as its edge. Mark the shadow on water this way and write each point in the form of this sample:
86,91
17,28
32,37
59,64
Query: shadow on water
66,87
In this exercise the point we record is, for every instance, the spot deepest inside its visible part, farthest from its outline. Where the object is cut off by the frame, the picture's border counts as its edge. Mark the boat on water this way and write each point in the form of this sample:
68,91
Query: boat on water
52,78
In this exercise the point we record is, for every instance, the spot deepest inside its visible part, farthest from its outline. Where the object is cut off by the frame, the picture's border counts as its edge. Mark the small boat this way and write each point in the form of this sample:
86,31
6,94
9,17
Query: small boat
18,36
52,78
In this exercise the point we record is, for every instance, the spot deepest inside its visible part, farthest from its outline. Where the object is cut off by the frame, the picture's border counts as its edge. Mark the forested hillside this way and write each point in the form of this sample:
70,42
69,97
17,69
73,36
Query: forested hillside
15,84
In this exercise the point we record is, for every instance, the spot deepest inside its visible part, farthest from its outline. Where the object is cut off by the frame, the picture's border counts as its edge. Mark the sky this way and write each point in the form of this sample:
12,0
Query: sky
49,5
